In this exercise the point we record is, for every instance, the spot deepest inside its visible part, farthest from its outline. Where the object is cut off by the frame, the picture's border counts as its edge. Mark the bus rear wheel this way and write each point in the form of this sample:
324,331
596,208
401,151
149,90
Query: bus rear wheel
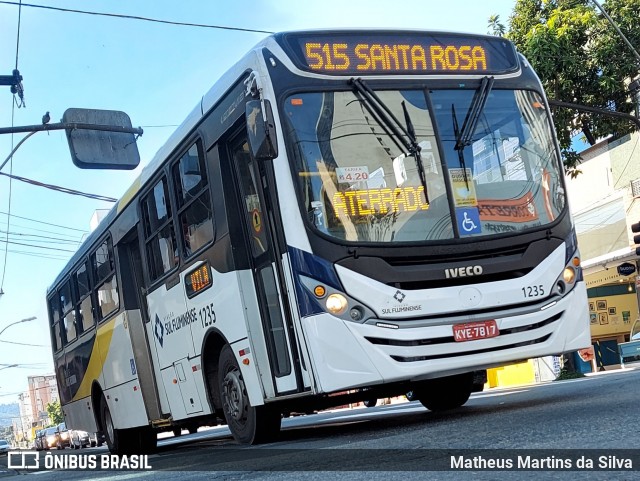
248,424
445,393
141,440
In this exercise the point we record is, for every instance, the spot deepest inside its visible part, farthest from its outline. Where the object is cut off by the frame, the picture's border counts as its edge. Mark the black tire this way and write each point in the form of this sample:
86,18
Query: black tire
445,393
147,439
248,424
116,442
370,403
177,432
142,440
411,396
193,429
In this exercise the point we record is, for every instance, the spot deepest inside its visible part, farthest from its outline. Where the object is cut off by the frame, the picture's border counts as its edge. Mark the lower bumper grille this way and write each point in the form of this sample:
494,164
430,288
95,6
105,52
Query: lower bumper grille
468,353
509,338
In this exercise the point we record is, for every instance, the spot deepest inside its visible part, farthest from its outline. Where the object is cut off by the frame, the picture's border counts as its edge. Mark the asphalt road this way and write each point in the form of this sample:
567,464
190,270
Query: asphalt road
542,428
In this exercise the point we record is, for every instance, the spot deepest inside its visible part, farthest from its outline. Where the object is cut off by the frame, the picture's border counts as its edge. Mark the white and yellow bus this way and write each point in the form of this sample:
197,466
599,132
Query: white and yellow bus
345,215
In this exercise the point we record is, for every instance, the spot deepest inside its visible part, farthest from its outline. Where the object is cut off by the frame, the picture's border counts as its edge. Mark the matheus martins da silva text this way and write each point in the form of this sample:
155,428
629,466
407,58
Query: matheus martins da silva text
547,462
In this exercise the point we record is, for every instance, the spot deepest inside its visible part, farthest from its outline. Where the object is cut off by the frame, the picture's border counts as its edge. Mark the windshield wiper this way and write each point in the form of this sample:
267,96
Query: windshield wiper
464,136
406,135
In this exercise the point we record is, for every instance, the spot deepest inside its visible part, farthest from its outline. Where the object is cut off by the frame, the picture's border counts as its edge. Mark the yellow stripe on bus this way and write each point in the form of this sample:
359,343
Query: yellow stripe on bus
128,195
96,361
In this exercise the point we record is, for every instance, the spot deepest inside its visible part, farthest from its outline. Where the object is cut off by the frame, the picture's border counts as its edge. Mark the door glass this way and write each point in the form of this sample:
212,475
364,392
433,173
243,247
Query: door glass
251,201
278,335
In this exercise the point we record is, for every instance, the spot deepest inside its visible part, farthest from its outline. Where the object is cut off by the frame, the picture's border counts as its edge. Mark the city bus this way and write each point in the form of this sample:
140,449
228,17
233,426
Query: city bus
345,215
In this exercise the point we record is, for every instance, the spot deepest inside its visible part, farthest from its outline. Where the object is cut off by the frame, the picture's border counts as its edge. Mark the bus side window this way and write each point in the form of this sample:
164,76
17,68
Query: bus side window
68,312
194,204
160,238
104,272
54,310
84,304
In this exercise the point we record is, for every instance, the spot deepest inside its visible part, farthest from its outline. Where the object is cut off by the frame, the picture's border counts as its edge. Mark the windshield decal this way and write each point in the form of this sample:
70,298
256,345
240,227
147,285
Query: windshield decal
522,209
468,221
352,175
464,189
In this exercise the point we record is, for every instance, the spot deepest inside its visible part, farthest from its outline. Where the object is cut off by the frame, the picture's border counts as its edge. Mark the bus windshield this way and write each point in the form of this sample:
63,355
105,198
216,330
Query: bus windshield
358,183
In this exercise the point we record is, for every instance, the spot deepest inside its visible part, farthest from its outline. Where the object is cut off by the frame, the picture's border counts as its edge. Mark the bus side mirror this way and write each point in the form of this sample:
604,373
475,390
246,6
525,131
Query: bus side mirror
261,129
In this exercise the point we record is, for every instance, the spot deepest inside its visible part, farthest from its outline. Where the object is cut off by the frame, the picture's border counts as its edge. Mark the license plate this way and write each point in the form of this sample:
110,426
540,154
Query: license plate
475,330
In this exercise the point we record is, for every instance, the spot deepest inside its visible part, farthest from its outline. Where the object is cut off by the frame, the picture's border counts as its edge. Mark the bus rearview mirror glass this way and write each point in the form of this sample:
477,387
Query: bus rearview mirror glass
261,132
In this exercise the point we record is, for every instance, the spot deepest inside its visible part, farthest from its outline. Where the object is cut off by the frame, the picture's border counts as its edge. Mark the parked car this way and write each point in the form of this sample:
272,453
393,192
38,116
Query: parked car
39,440
79,439
62,434
4,446
50,438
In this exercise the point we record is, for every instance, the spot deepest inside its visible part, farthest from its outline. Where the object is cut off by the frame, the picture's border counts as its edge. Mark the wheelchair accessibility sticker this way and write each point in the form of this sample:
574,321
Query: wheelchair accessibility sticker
468,221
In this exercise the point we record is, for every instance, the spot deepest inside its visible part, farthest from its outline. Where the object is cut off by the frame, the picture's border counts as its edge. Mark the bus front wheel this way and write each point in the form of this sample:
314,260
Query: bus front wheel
248,424
445,393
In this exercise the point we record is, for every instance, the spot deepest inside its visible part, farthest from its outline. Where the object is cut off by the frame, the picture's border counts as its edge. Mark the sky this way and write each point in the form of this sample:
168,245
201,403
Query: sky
154,72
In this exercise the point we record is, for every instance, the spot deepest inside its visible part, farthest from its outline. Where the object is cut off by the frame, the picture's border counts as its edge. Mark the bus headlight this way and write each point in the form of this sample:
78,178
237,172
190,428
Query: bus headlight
337,304
569,275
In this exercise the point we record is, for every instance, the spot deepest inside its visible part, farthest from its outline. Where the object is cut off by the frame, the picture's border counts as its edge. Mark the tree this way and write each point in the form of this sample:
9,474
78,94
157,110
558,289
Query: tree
54,410
581,59
496,27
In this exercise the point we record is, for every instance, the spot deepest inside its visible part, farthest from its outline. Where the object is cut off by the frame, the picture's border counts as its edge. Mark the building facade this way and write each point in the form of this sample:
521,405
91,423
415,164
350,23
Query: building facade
42,391
605,202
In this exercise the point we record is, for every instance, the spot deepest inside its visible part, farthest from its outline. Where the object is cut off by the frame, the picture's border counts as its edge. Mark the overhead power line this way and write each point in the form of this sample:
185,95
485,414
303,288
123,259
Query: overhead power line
57,188
43,237
36,246
23,343
42,222
136,17
68,236
44,255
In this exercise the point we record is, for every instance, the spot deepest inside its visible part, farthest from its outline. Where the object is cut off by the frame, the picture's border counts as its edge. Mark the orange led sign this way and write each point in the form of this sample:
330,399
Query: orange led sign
354,53
357,203
364,57
198,280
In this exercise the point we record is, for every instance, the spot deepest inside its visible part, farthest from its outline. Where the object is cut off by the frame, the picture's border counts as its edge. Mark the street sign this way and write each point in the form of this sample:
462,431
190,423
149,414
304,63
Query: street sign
101,149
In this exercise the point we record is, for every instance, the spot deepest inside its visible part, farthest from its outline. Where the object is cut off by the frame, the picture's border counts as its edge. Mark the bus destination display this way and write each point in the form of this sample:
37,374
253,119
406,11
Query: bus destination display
410,54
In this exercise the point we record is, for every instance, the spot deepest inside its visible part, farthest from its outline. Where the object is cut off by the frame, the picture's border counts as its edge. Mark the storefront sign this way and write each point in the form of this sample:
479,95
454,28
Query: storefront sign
626,269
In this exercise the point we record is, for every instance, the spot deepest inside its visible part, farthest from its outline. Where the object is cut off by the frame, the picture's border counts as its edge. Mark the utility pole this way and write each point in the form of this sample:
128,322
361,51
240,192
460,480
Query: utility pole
15,82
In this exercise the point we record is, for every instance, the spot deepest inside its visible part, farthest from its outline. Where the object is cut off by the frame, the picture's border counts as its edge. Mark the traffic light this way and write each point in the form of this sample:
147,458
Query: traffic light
636,238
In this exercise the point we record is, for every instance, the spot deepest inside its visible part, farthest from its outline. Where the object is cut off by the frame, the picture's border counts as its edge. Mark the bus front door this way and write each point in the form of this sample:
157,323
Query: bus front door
276,322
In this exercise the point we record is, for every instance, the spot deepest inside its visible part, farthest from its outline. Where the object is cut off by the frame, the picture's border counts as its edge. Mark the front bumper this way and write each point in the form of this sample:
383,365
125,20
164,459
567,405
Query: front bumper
348,355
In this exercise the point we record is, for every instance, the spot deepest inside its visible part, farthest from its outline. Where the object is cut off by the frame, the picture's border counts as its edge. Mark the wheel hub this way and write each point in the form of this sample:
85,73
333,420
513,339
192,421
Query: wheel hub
233,392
